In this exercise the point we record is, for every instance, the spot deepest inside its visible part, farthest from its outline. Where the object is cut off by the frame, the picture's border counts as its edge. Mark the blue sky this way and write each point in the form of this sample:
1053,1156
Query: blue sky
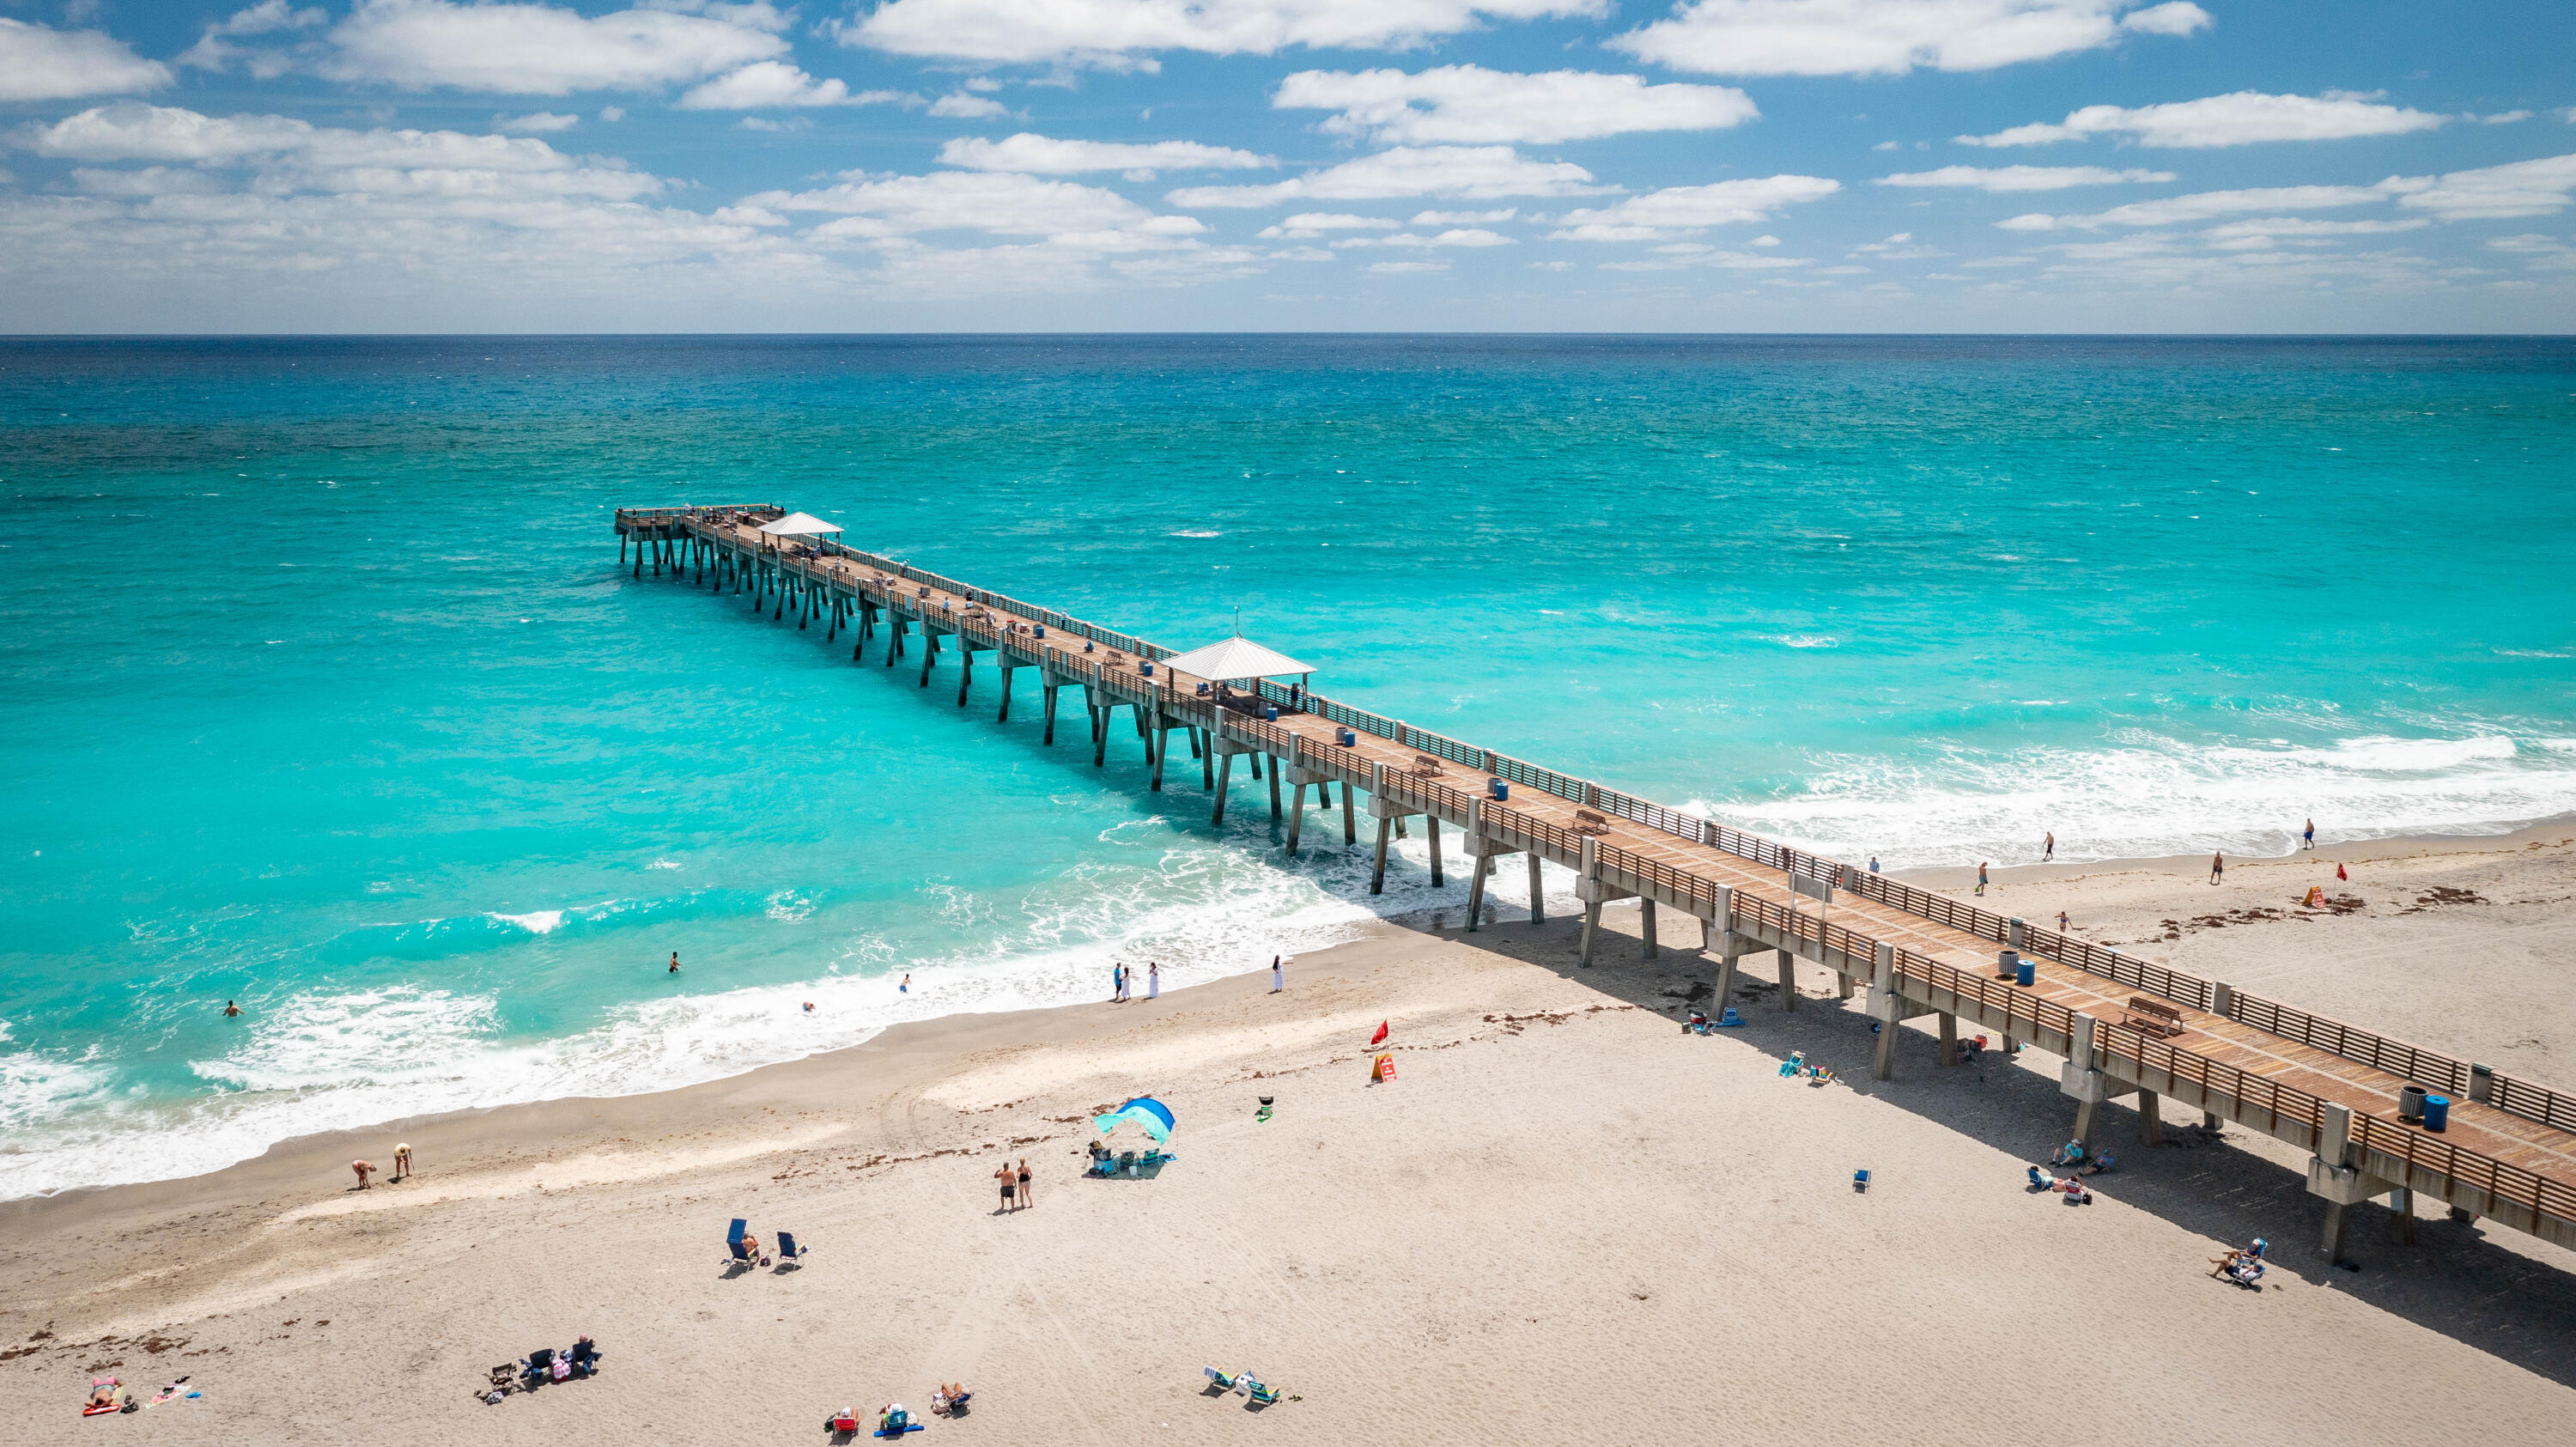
1711,165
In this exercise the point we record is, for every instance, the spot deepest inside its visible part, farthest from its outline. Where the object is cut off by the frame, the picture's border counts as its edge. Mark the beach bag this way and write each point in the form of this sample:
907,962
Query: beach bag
561,1370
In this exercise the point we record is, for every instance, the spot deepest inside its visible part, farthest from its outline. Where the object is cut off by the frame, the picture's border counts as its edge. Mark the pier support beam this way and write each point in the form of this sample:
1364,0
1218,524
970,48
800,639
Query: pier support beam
1046,681
2343,1185
1887,1008
1377,869
1788,981
1594,894
2151,1124
1949,1038
1538,900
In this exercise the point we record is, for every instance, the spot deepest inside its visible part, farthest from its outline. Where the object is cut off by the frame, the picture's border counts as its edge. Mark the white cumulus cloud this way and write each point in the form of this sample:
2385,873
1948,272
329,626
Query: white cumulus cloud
2208,205
535,49
1307,225
2518,188
1038,155
2238,118
1890,37
960,105
536,123
1474,236
38,62
1128,32
1468,104
775,84
2022,178
1458,173
1678,210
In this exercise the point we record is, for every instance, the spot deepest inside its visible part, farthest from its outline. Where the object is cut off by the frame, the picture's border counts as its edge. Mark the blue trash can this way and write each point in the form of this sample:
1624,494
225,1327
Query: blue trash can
1149,670
1501,790
1271,713
1039,631
1345,738
2027,974
2437,1112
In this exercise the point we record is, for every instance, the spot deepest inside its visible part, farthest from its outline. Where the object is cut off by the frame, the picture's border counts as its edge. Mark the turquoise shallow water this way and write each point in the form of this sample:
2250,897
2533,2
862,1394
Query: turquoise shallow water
325,692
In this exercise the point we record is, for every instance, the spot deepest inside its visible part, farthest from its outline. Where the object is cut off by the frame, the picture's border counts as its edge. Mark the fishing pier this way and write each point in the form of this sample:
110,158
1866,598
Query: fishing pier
2126,1029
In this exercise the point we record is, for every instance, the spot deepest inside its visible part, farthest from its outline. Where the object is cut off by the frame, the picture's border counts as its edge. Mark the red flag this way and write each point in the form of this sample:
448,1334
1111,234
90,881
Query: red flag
2339,874
1380,1037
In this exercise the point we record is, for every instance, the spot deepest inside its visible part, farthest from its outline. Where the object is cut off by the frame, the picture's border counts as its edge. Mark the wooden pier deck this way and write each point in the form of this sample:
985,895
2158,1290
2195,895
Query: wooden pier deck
2509,1152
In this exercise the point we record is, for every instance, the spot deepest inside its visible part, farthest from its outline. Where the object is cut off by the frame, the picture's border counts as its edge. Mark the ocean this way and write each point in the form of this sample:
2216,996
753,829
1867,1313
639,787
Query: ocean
327,695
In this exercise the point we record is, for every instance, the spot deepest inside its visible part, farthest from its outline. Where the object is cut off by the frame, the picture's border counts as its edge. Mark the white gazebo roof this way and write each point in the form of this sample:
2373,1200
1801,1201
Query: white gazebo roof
1236,657
799,525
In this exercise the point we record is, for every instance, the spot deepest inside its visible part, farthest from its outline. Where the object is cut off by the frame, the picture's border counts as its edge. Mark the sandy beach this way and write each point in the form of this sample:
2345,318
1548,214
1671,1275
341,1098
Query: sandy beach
1565,1220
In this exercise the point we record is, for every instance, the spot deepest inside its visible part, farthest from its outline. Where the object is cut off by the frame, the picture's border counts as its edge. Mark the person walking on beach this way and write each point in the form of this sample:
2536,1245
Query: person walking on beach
1873,864
402,1161
2048,847
1278,973
2217,866
1125,982
1981,878
1028,1197
2309,839
1154,980
1009,1181
2062,925
675,963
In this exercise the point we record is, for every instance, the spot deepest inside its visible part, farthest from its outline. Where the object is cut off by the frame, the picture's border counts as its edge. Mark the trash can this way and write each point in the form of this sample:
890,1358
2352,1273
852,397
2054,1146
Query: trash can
1271,712
2410,1104
1345,738
1149,670
1039,631
2007,964
2026,975
2437,1112
1500,789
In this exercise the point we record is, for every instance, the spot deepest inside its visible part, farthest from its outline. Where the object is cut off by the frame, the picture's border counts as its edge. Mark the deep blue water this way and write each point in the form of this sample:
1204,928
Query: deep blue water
325,693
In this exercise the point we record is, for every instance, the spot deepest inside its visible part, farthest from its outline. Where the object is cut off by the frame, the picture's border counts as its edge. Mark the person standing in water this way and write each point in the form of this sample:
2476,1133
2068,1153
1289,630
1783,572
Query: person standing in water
675,962
2217,866
906,987
2309,839
231,1010
2048,847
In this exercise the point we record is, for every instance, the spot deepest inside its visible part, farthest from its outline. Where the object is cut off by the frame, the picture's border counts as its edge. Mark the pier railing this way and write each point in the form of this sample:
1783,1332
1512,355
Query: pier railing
2431,1069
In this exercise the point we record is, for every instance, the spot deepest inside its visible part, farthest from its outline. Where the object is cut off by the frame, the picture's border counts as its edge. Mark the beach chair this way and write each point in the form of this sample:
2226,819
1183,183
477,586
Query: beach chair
788,1250
736,1248
1860,1181
1261,1396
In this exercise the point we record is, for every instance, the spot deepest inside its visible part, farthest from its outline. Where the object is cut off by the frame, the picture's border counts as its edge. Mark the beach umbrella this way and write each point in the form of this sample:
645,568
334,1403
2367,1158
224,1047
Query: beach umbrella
1144,1110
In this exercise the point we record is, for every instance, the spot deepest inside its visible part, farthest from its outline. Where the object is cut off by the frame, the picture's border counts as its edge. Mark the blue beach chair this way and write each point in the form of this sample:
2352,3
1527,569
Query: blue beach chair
738,1249
788,1250
1860,1181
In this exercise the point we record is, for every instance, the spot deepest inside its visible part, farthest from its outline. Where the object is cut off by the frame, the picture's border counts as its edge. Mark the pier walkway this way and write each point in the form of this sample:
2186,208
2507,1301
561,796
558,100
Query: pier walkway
2125,1027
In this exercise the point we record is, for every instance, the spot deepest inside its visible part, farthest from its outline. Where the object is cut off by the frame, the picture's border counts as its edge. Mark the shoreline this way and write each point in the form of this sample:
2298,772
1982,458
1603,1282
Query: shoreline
906,1038
1558,1186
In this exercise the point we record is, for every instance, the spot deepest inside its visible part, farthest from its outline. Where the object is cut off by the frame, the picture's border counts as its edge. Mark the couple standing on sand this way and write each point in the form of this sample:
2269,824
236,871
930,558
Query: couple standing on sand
1018,1180
1122,980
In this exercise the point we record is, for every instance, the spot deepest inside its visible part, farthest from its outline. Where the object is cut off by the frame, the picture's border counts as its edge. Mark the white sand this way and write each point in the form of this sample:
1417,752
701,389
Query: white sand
1568,1222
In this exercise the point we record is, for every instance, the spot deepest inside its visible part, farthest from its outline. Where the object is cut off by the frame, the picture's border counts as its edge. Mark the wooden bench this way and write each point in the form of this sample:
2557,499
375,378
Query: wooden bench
1587,822
1425,764
2152,1017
